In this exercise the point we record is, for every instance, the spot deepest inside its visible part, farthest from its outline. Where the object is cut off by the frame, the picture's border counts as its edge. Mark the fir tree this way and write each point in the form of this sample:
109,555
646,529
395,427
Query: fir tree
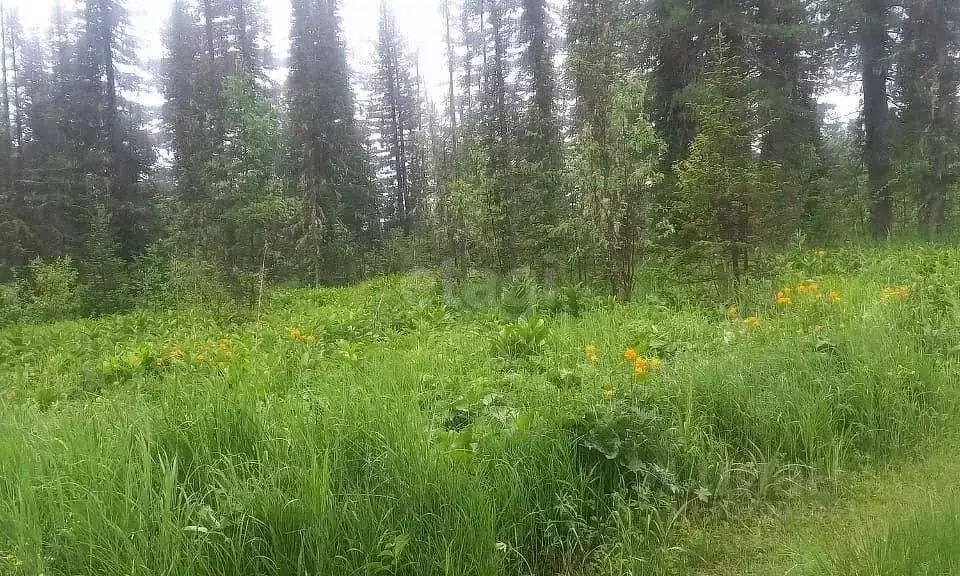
723,186
328,168
397,109
875,51
539,199
787,80
928,79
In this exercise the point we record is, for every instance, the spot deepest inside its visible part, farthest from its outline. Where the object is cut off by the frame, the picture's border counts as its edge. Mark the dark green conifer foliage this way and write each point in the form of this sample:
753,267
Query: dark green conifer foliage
328,167
927,83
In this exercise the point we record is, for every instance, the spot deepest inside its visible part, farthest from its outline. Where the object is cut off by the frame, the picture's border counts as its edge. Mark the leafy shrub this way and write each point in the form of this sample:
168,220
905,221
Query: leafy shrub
192,283
626,443
474,293
519,296
11,307
122,367
526,337
571,300
54,289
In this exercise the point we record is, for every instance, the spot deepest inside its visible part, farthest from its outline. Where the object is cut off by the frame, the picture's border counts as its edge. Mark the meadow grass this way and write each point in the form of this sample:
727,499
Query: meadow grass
391,429
922,542
897,518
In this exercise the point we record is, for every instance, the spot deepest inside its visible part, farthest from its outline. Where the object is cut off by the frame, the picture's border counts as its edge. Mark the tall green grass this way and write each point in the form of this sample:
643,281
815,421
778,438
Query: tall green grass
922,542
395,432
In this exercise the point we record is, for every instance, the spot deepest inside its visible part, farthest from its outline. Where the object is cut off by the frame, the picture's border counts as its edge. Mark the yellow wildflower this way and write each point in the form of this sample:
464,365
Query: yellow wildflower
630,354
294,332
591,352
608,395
654,363
806,287
199,359
752,322
175,352
821,253
834,297
783,297
310,339
640,366
733,312
892,292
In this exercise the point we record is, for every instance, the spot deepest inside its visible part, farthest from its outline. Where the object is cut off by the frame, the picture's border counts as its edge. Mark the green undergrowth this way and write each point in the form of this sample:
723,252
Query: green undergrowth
399,427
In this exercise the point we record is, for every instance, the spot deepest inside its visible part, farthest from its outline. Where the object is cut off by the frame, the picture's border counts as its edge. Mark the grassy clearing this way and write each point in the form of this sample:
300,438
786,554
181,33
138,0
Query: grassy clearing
393,429
922,543
901,519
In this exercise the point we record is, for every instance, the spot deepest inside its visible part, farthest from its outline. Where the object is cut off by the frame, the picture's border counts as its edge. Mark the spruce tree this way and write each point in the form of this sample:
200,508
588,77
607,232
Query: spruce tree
47,190
592,27
107,126
398,115
328,169
927,83
537,70
875,51
497,133
787,78
225,157
724,187
539,201
674,49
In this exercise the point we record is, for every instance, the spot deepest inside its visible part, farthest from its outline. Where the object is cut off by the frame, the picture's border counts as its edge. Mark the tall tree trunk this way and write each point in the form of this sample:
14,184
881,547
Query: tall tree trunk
3,66
874,46
208,31
400,152
245,47
497,136
110,71
467,104
17,103
483,38
5,123
450,72
944,121
213,77
540,62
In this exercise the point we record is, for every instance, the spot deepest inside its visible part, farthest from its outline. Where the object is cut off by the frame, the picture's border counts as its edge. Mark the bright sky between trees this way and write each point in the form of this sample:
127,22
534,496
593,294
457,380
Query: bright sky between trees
420,21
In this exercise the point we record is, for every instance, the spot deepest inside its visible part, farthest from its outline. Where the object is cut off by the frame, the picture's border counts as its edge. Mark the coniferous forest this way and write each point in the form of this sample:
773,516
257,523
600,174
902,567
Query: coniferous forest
610,289
588,141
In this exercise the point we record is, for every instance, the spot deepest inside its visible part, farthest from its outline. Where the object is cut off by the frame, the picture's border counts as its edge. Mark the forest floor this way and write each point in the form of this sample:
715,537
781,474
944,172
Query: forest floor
804,424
